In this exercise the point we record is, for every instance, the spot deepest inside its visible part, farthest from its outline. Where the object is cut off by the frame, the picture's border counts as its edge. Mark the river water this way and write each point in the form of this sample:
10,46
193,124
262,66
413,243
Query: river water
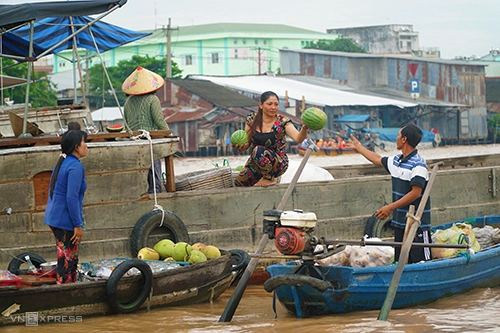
476,311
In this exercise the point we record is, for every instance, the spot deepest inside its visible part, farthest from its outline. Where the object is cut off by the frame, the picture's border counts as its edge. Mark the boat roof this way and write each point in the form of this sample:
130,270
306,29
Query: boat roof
20,14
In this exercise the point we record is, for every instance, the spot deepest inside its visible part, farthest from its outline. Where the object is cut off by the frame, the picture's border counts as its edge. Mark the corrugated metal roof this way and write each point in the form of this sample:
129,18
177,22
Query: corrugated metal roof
248,29
367,55
185,116
214,93
313,94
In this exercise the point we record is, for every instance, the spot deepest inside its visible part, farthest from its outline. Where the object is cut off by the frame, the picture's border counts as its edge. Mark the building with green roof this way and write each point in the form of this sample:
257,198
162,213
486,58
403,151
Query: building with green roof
221,49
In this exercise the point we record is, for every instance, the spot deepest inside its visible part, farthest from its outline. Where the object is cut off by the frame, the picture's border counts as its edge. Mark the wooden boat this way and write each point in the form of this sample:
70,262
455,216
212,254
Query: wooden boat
327,151
120,293
347,289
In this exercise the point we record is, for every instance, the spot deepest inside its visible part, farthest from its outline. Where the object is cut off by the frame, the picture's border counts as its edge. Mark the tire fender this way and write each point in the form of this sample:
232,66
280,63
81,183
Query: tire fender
240,260
172,228
16,263
139,296
295,280
379,228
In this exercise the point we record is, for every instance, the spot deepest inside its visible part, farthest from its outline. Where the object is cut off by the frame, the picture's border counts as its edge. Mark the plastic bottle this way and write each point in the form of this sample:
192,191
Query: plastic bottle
31,267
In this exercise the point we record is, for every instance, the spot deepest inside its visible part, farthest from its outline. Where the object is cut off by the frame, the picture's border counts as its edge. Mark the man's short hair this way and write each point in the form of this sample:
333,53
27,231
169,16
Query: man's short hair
412,133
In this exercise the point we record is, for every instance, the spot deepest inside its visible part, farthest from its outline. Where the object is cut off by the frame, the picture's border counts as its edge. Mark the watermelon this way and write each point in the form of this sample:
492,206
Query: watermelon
239,137
114,128
314,118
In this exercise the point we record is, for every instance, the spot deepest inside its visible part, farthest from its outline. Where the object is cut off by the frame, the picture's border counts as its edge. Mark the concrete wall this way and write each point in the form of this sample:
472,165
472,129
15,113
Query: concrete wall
228,218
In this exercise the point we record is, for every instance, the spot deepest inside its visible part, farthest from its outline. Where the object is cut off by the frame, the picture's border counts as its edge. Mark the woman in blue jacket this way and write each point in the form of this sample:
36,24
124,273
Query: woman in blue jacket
64,208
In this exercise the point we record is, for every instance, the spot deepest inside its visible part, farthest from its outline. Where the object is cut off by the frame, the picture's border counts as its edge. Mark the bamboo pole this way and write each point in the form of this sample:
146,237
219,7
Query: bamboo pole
405,250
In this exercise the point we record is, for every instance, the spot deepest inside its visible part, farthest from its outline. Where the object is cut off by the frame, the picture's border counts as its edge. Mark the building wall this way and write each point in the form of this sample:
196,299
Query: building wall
455,82
213,53
383,39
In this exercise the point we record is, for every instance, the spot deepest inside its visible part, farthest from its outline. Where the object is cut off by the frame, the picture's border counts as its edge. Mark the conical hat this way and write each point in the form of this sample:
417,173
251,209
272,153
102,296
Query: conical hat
142,81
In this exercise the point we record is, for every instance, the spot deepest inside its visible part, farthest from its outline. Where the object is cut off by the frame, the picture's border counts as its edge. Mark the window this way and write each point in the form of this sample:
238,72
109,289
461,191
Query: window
62,64
189,60
235,41
408,45
235,54
265,42
256,42
215,58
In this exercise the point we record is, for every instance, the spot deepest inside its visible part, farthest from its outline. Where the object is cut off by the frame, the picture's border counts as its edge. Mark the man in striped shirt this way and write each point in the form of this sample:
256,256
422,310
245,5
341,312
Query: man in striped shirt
410,175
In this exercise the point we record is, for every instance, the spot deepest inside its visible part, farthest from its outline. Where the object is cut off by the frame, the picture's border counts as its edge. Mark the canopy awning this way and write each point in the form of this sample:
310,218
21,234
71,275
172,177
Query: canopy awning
12,16
353,118
55,33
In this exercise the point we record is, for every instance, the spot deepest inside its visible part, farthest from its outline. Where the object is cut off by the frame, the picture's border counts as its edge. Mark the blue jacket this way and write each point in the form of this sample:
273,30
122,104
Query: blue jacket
64,209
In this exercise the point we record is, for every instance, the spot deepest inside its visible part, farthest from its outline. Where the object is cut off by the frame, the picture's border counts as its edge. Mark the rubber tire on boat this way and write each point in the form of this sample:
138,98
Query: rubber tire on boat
173,225
295,280
379,228
139,296
15,264
240,259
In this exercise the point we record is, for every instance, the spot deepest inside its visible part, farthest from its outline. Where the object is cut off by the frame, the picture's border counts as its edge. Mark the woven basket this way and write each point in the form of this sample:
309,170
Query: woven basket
206,179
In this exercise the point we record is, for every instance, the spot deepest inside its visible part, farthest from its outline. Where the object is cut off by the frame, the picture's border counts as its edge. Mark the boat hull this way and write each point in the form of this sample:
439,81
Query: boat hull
185,285
361,289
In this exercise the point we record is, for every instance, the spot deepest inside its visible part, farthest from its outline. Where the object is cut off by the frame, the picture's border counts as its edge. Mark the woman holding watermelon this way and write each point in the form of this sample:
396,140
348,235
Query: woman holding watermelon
267,131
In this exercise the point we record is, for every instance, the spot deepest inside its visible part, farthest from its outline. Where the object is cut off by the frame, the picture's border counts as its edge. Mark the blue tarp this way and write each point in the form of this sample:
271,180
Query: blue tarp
391,133
53,30
353,118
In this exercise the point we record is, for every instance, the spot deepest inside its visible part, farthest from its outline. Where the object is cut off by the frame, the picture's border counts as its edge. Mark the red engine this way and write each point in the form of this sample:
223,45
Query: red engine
290,240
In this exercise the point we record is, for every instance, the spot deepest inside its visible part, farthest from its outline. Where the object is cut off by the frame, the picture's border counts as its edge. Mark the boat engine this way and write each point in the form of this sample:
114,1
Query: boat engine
292,231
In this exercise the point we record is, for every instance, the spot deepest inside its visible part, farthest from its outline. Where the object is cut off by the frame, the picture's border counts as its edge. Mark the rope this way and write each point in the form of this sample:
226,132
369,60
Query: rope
412,216
145,135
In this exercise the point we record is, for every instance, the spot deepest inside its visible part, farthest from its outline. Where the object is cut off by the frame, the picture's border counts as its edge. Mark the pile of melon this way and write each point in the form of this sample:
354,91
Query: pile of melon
167,250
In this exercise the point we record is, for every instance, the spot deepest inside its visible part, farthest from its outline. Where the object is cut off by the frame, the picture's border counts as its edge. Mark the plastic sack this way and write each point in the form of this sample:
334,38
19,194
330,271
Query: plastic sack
371,255
338,259
456,234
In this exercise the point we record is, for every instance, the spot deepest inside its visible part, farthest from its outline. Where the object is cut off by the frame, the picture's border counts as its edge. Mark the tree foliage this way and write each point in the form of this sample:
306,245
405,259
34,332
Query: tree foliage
339,44
101,93
42,90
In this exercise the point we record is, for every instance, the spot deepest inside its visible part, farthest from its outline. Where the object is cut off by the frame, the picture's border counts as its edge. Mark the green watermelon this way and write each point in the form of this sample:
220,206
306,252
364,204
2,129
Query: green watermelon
314,118
239,137
114,128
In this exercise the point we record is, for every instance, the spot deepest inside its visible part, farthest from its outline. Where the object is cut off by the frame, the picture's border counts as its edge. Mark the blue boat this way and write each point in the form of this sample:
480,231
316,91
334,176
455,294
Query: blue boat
347,289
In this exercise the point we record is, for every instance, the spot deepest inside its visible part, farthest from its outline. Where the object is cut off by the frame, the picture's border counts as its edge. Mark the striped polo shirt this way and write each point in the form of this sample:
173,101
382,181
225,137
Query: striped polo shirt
406,172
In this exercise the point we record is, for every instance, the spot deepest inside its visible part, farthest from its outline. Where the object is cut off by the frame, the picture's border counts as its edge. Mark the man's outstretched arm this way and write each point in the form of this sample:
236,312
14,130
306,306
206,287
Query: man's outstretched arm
368,154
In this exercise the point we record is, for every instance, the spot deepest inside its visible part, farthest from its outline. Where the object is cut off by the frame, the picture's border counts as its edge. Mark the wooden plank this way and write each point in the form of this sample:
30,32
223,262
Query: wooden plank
170,176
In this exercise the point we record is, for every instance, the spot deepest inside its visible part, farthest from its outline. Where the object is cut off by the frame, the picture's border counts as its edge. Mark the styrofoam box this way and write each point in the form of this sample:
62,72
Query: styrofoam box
298,219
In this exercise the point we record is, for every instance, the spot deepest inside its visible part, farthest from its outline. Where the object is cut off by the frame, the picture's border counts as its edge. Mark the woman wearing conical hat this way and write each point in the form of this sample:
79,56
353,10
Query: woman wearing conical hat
142,111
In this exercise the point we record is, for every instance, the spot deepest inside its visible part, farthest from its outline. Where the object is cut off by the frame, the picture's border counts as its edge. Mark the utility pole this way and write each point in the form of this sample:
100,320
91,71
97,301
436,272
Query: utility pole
169,53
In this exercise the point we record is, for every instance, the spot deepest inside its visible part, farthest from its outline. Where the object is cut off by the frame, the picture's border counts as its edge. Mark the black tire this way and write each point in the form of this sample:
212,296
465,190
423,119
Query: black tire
240,260
139,296
147,231
15,264
379,228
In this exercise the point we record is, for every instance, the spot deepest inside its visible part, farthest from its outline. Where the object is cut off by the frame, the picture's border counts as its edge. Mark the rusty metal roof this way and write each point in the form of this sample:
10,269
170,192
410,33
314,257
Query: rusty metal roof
216,94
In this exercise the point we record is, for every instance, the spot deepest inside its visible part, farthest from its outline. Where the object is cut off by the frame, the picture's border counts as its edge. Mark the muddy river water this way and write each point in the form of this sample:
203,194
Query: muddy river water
476,311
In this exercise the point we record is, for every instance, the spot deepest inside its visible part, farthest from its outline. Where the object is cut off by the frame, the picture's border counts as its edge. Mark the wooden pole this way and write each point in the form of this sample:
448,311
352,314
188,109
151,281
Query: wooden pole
233,302
405,250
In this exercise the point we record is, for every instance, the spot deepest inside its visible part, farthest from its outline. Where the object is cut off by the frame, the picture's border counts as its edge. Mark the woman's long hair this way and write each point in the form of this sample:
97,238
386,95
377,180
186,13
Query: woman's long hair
69,142
257,122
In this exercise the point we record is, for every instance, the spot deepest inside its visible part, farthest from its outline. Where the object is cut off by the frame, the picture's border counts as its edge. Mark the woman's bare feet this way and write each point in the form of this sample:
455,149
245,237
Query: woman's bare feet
265,182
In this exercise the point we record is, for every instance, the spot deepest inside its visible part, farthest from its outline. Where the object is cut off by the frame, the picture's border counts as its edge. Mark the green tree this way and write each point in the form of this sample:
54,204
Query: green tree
101,93
339,44
42,90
